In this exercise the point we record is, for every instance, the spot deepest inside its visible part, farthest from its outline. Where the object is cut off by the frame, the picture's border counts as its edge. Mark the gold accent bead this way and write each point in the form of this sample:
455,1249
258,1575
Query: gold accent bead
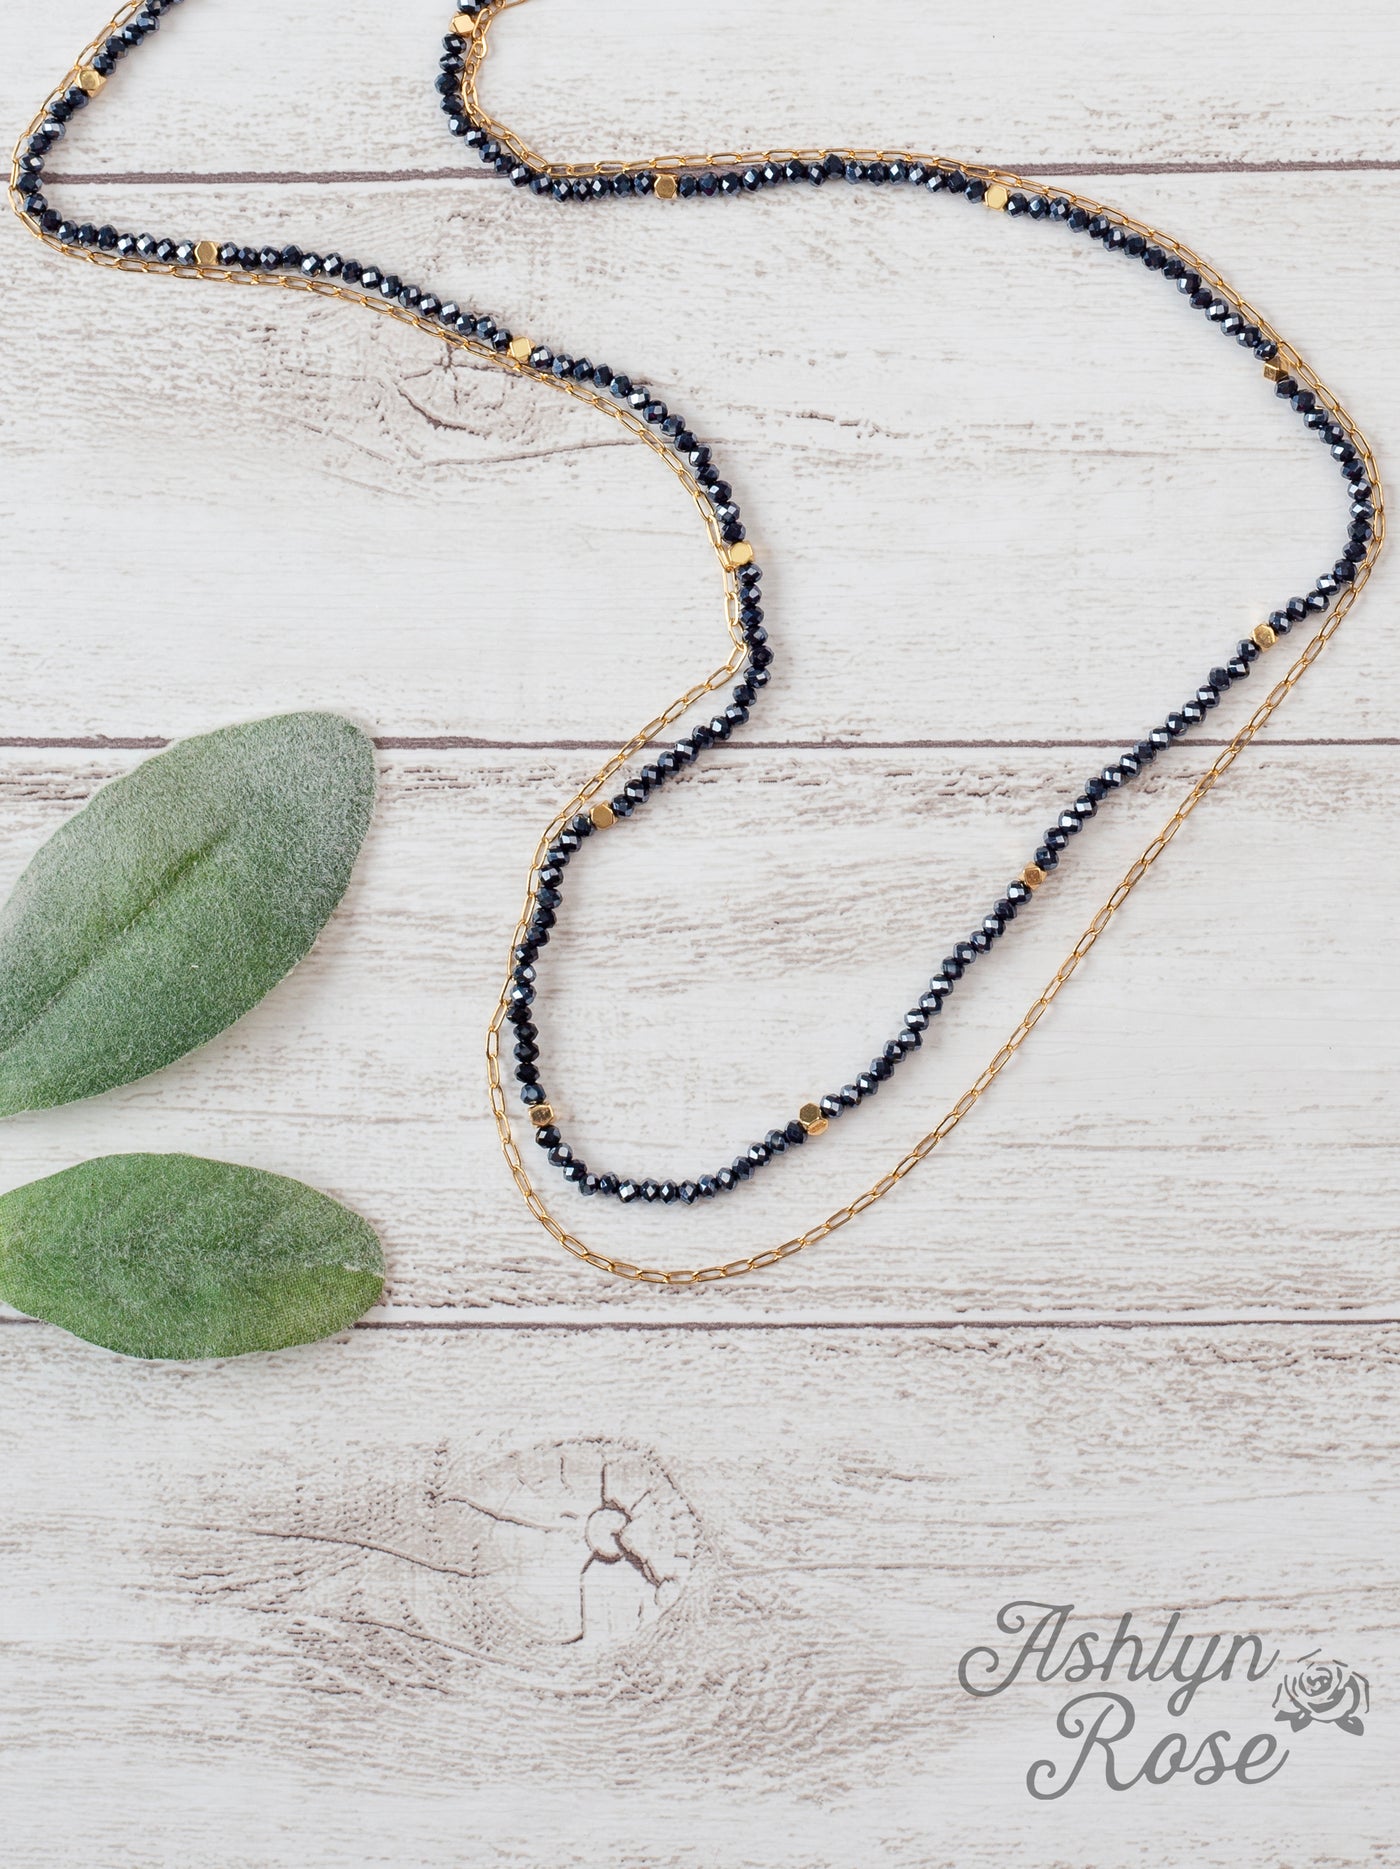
997,196
811,1118
1275,371
1032,876
664,188
206,253
738,556
520,348
541,1115
1265,635
90,81
602,817
464,24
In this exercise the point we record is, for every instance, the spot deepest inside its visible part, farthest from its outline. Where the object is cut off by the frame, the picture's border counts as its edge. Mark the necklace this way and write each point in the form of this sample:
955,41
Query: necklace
673,439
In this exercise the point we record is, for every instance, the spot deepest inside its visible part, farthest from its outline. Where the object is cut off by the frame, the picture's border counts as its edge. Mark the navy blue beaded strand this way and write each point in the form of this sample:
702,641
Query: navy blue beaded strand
937,178
638,789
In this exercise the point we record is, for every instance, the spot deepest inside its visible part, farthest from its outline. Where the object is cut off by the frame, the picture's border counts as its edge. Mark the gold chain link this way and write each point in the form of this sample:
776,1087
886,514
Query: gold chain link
474,57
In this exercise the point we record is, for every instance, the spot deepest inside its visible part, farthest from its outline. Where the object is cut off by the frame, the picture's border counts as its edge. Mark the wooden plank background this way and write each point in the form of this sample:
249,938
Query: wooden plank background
1129,1341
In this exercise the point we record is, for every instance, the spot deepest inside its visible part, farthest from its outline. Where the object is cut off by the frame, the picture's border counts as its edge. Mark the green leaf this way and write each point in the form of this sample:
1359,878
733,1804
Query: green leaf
174,1256
174,901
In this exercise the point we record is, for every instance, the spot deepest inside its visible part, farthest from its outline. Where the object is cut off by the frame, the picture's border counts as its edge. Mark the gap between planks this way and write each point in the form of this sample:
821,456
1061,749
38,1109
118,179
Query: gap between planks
292,178
458,743
579,1322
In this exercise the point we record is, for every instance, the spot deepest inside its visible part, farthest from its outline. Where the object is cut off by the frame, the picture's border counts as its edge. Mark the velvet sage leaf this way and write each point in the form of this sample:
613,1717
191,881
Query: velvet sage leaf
174,901
174,1256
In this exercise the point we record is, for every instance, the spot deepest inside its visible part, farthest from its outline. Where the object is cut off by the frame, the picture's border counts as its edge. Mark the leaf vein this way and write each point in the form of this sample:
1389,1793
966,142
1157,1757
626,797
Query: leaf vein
171,880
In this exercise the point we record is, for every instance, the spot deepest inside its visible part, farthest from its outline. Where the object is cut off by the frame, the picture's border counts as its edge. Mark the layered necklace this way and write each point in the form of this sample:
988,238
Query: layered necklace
647,767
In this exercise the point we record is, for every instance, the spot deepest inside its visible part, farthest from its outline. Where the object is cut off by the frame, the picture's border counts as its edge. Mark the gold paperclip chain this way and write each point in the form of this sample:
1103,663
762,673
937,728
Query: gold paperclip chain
476,30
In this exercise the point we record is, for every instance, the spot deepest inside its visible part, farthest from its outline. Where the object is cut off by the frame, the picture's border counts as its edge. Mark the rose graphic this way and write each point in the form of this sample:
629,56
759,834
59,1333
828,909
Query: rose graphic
1327,1691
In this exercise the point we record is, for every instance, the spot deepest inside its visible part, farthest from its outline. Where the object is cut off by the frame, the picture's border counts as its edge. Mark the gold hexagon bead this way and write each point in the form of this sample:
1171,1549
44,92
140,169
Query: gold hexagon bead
206,253
464,24
664,188
520,348
997,196
541,1115
90,81
602,817
738,556
811,1118
1032,876
1264,635
1275,371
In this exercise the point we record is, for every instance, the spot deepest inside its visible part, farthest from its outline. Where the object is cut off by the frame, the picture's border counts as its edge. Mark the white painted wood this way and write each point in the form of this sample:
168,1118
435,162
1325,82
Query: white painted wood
302,505
1205,1121
283,84
262,1614
247,1620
